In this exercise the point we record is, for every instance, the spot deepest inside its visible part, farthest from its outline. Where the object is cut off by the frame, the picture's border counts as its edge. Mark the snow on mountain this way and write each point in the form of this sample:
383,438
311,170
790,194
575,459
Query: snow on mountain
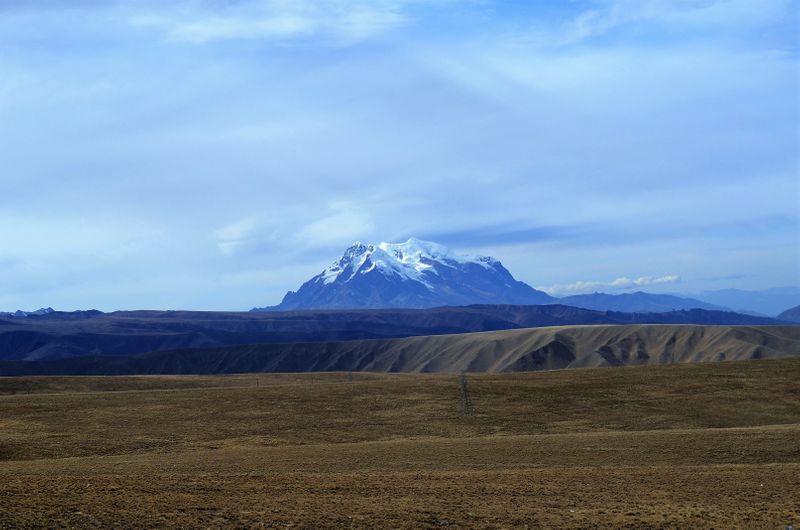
20,313
411,260
413,274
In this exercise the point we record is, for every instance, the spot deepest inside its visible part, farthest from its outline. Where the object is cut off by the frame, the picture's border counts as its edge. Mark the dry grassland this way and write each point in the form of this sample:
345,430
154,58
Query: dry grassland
704,445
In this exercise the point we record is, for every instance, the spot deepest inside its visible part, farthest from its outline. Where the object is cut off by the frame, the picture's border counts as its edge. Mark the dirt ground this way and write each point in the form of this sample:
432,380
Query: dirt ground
705,445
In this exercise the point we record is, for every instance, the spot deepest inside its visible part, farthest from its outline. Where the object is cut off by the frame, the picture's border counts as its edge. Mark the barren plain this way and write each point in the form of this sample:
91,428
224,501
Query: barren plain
673,446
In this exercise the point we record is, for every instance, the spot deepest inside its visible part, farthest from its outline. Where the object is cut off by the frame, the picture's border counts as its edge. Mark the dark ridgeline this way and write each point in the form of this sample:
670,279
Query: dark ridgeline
529,349
64,335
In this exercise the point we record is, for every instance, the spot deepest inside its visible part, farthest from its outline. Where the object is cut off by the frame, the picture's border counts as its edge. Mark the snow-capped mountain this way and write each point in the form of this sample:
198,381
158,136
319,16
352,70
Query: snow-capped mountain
414,274
20,313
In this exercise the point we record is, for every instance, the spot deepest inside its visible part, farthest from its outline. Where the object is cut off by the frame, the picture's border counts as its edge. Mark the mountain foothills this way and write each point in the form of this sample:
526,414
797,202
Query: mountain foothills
544,348
60,335
414,274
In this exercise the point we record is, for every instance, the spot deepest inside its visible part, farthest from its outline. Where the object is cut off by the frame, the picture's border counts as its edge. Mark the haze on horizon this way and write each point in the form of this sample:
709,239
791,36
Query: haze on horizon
215,154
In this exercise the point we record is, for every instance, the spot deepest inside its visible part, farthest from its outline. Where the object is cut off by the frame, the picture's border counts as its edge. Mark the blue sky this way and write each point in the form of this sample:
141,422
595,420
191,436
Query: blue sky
214,154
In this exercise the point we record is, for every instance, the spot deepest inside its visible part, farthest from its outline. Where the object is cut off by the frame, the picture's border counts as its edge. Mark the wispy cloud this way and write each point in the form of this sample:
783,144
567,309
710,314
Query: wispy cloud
337,20
501,234
341,221
233,236
617,285
679,18
327,228
610,15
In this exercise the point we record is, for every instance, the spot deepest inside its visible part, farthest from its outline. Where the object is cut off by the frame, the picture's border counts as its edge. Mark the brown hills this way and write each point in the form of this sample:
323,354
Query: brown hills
59,335
542,348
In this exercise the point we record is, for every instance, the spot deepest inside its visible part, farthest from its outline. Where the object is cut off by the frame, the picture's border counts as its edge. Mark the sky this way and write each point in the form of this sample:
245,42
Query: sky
214,154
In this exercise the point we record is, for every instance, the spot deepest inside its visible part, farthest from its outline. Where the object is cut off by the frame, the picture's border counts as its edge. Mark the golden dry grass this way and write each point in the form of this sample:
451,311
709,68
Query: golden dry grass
710,445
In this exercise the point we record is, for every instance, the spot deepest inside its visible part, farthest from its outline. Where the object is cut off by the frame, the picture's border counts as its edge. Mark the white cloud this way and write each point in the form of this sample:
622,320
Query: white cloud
218,28
619,284
231,237
721,16
344,222
594,22
338,20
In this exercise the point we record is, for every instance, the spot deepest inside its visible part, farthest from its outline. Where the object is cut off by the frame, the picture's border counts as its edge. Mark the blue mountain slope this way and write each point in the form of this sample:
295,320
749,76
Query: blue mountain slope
414,274
638,302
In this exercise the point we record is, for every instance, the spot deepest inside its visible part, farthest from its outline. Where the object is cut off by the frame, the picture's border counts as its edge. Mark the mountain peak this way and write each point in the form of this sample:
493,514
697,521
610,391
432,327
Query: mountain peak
20,313
414,274
416,249
410,260
356,249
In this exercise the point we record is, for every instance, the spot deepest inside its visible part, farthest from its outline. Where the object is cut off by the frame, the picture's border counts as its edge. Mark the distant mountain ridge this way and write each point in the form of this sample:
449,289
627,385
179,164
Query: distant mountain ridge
765,302
638,302
421,274
416,274
22,314
50,314
791,315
